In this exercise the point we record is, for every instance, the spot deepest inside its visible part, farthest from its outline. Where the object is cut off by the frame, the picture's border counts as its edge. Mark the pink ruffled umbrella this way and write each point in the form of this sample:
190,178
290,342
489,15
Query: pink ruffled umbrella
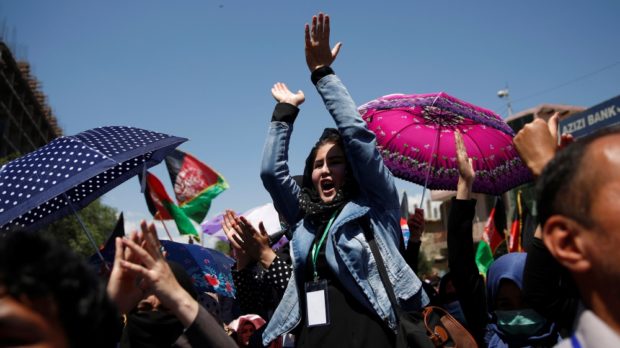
415,135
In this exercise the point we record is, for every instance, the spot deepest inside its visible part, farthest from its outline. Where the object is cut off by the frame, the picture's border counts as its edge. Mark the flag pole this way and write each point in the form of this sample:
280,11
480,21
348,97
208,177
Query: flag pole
166,228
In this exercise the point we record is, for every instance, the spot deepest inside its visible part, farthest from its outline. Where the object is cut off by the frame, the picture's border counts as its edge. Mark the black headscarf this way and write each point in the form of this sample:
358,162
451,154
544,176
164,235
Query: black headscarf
151,329
314,209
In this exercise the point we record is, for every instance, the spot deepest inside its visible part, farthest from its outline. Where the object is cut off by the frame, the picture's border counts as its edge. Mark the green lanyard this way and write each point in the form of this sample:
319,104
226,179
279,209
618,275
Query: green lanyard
317,248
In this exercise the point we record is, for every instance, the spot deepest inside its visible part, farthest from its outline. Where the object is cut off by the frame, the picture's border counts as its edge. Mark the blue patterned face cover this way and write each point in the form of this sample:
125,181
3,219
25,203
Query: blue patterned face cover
520,322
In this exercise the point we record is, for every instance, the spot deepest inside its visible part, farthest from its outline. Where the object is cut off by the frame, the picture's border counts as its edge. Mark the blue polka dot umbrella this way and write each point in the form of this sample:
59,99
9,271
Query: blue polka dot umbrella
71,171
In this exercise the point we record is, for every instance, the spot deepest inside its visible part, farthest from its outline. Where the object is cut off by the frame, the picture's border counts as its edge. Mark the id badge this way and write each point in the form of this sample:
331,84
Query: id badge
317,306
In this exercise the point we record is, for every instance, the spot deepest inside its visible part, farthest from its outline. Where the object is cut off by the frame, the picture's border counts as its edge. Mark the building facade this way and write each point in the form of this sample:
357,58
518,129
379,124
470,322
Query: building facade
26,121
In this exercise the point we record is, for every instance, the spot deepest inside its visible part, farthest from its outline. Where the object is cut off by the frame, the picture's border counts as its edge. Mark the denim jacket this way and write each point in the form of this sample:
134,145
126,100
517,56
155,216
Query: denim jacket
347,252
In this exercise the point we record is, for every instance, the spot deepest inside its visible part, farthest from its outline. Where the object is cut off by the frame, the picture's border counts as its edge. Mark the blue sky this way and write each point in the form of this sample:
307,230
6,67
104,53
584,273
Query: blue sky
203,69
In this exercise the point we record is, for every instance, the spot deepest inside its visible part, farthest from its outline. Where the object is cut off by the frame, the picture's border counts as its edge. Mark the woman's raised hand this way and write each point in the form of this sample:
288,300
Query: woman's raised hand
250,244
318,51
465,167
123,284
283,95
416,224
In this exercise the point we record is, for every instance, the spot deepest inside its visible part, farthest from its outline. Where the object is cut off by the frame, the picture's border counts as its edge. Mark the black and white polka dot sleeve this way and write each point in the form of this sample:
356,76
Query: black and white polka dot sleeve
278,274
249,292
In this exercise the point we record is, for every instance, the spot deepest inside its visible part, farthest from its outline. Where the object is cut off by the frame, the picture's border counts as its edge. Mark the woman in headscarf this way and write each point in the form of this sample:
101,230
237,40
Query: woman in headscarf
335,296
512,321
244,327
158,298
496,314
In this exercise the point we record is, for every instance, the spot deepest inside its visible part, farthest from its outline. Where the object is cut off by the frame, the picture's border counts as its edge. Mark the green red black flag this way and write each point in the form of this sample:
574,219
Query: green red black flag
195,184
492,237
162,207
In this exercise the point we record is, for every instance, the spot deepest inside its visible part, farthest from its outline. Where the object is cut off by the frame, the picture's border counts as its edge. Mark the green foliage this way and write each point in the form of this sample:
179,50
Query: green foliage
222,247
9,158
100,220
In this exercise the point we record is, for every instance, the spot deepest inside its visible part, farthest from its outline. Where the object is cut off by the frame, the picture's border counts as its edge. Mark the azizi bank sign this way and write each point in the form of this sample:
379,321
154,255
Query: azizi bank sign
603,115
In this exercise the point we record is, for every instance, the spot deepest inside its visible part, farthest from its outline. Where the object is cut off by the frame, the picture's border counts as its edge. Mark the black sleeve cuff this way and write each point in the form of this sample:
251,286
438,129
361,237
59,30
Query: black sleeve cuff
462,209
285,112
321,73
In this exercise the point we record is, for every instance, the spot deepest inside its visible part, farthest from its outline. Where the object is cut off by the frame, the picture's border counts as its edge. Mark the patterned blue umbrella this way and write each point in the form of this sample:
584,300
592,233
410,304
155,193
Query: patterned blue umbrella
209,269
72,171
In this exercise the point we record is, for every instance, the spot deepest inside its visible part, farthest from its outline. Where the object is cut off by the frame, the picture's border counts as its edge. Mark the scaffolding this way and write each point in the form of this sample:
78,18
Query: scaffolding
27,122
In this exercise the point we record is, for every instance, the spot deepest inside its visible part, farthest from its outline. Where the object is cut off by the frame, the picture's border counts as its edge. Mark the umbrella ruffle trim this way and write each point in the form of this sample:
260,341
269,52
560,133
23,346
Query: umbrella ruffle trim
490,181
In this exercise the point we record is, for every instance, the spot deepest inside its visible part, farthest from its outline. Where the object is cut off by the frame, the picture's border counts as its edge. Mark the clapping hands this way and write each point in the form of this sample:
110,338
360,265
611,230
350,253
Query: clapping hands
250,245
141,270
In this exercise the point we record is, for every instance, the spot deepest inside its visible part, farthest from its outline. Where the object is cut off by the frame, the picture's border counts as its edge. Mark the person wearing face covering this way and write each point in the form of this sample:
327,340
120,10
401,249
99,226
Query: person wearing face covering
513,322
496,313
158,298
150,323
335,297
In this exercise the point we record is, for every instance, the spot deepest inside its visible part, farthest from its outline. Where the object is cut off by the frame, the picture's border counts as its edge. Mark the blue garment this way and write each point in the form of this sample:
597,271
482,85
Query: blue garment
511,266
347,251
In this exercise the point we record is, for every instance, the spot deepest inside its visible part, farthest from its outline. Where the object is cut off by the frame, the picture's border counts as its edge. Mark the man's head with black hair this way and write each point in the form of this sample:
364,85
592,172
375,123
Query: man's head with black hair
49,297
579,210
569,178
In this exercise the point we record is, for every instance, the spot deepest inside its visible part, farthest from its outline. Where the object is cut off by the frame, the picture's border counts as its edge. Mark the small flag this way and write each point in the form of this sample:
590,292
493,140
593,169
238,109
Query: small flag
405,230
514,241
195,184
484,258
164,207
496,224
153,200
492,237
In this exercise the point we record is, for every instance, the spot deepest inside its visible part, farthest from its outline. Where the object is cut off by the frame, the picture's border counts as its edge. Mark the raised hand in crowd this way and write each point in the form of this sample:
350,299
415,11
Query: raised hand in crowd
166,310
283,95
415,222
465,167
152,274
122,287
318,50
250,245
537,142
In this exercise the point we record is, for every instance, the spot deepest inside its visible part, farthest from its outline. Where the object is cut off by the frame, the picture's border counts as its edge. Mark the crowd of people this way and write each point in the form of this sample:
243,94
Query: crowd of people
324,288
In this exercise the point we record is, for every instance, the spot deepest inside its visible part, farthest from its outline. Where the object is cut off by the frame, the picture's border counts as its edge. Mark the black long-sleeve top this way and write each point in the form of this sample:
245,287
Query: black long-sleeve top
260,291
467,281
412,255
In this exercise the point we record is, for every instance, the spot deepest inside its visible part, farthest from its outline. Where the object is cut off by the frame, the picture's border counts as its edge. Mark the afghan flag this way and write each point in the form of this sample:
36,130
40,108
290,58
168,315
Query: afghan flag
492,237
523,226
195,184
516,230
484,258
162,207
